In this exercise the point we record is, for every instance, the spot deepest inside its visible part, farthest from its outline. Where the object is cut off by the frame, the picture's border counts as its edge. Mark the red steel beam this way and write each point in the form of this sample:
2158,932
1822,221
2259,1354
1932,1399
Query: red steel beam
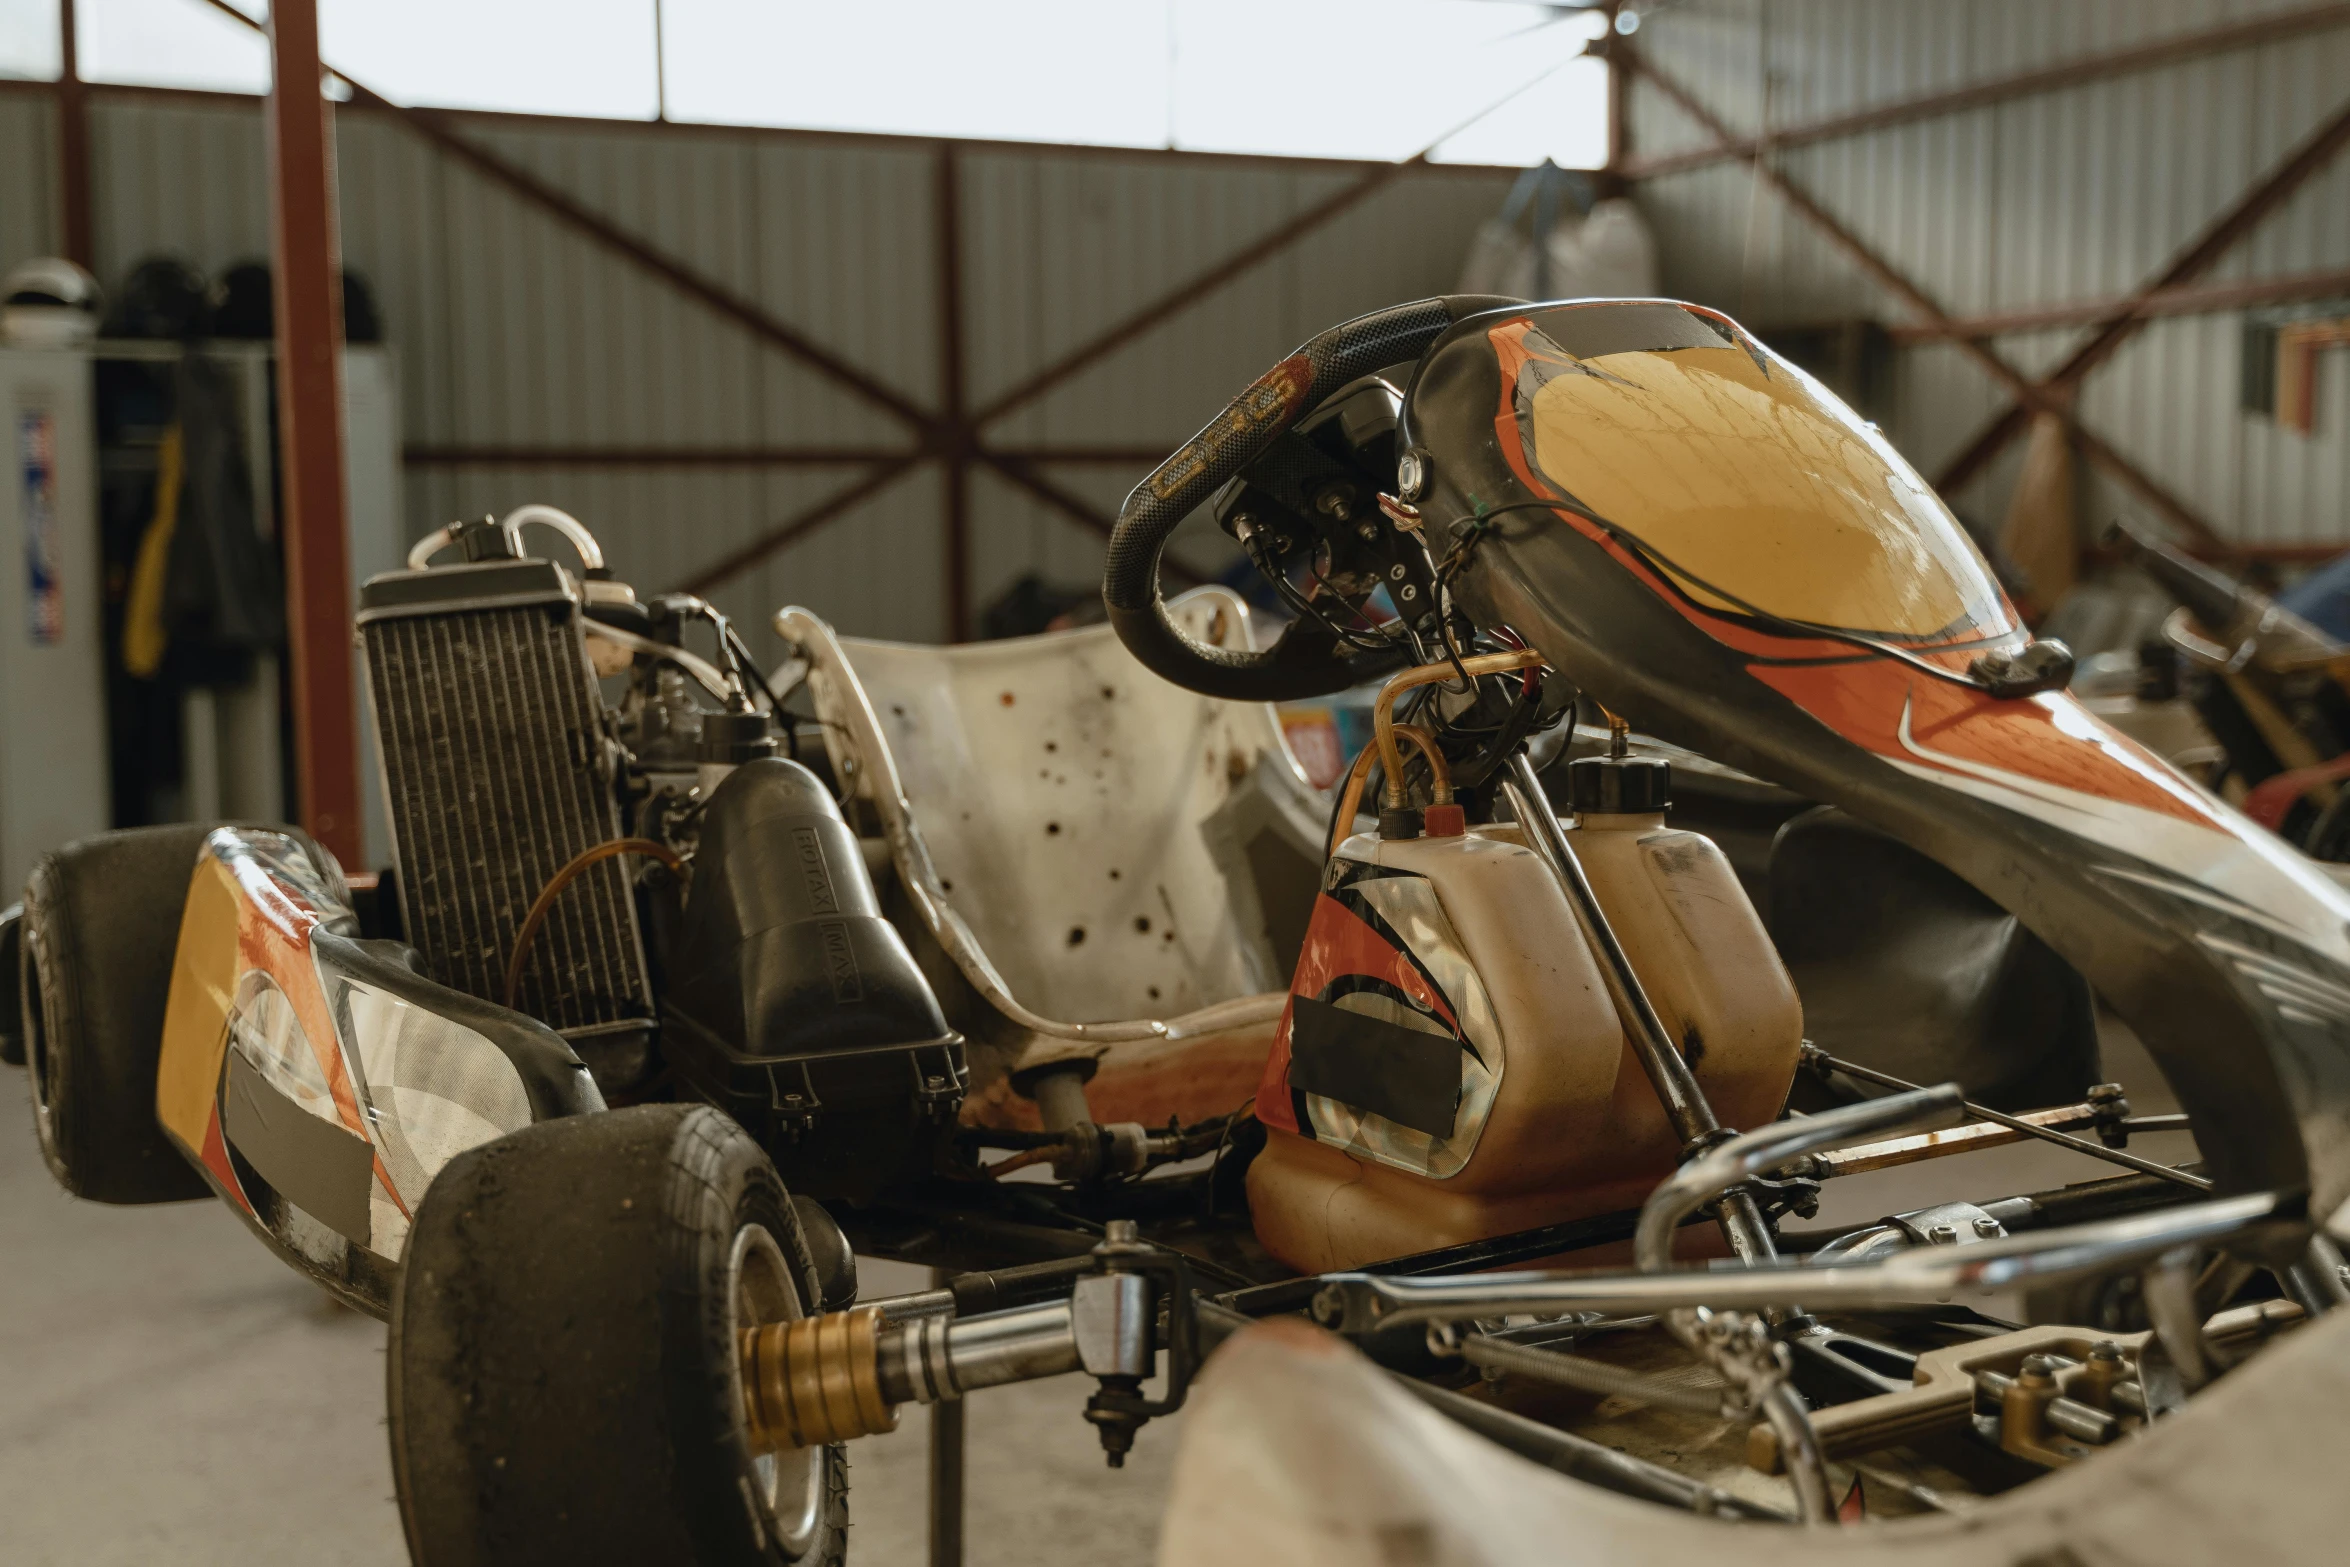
2264,196
2208,299
1146,455
2036,398
1280,238
1074,507
73,143
795,527
1273,243
2275,28
1619,109
748,314
425,454
428,454
589,125
954,434
308,271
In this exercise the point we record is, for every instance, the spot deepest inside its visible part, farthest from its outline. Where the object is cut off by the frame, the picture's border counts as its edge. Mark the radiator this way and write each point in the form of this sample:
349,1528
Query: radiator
498,772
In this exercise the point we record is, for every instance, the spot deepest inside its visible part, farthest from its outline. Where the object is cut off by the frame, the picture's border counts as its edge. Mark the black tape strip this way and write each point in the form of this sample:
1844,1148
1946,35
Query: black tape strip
1627,329
1410,1077
318,1167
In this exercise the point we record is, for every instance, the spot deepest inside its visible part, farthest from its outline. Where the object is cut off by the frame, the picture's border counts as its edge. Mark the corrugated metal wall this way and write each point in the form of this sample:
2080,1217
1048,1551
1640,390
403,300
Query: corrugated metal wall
2073,195
515,331
28,130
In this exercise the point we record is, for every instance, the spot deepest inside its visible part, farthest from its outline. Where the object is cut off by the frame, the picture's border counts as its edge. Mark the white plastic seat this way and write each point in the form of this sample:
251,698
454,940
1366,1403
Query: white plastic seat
1077,832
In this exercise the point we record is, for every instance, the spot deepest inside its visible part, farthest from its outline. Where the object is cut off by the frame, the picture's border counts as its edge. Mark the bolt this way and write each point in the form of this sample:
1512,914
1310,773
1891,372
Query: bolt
1988,1227
1368,533
1121,1232
1411,469
1410,593
1329,1307
2105,1349
1942,1234
1395,572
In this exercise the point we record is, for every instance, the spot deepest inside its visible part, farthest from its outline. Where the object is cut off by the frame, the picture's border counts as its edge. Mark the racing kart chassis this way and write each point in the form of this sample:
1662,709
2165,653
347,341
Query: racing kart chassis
656,1025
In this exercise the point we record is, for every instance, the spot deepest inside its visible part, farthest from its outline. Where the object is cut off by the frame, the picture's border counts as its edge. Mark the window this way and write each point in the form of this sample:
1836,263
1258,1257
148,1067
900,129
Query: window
1480,81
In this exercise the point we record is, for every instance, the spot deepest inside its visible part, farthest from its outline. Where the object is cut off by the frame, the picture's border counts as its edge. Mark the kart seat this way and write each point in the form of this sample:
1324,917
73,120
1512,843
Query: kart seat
1120,870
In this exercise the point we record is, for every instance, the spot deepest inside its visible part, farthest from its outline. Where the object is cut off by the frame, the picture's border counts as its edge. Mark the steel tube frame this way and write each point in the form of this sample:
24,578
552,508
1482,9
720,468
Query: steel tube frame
1362,1302
1575,1456
1772,1146
1713,1175
1822,1060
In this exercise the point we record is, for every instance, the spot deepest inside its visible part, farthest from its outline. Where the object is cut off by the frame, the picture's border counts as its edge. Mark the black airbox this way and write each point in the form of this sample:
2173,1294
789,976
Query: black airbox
794,1004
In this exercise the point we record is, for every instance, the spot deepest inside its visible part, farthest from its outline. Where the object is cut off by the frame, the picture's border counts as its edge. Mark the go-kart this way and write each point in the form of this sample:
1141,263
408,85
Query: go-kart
1037,962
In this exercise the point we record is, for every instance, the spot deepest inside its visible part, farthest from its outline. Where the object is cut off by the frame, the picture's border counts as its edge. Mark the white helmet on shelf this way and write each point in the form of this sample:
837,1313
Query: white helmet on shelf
48,302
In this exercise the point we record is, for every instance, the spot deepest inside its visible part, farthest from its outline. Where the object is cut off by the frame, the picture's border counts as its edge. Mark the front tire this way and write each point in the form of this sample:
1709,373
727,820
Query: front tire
96,943
563,1379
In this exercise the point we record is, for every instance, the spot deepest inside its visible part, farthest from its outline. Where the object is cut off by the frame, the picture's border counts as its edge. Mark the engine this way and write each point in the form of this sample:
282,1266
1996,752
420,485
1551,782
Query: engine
645,872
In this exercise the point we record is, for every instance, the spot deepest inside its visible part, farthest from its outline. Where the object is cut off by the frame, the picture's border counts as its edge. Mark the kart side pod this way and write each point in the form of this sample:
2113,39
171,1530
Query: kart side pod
795,1006
320,1081
1451,1067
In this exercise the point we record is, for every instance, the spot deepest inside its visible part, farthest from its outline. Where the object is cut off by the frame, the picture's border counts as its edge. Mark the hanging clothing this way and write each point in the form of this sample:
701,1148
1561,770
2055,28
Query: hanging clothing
224,597
144,634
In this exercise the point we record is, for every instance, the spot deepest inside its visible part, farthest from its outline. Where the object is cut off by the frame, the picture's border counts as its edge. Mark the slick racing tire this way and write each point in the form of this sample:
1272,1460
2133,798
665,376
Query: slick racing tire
563,1364
95,948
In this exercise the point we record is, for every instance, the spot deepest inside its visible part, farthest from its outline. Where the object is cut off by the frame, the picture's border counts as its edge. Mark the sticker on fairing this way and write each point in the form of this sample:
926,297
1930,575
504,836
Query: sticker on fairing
44,551
1390,1048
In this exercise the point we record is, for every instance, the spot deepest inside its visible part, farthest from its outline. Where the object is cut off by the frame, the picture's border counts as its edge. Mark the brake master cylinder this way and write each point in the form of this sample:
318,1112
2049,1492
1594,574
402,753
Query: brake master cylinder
1450,1067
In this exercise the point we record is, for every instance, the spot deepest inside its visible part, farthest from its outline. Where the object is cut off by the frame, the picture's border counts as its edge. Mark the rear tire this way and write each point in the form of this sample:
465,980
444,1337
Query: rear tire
100,930
562,1368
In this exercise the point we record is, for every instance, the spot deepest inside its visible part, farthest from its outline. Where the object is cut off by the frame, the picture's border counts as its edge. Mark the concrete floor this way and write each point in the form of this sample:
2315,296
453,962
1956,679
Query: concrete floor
169,1391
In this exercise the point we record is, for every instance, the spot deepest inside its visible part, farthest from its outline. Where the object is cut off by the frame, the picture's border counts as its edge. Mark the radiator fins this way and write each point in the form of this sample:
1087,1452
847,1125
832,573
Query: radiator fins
497,775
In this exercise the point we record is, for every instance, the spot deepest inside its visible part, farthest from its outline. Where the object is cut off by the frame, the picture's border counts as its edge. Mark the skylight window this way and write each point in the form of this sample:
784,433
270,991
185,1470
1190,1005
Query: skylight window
1468,80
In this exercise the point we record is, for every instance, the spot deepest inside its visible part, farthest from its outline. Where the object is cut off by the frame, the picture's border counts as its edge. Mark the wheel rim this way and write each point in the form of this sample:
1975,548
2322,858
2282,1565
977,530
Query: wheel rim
39,1065
789,1484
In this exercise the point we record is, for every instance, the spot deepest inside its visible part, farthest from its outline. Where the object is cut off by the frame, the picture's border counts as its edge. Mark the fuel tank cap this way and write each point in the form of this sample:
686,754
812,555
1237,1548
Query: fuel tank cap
1619,785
